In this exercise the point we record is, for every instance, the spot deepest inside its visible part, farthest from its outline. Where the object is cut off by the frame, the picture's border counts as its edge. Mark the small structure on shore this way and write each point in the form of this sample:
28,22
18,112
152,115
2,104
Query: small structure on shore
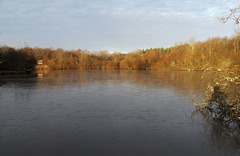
41,66
39,62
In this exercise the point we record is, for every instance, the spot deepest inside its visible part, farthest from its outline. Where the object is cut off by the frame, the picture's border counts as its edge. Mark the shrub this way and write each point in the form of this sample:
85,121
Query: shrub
221,102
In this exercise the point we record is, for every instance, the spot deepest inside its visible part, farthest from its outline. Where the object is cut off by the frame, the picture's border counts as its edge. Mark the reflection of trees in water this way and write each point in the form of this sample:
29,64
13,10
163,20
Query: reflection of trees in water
1,82
220,134
19,80
218,106
178,81
21,83
222,137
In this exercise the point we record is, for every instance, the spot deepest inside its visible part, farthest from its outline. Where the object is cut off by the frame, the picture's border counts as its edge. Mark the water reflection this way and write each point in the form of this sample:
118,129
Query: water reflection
106,113
219,110
183,81
218,105
221,136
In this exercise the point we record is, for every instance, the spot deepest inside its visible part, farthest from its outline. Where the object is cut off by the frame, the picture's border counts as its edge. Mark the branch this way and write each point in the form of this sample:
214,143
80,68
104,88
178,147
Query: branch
232,14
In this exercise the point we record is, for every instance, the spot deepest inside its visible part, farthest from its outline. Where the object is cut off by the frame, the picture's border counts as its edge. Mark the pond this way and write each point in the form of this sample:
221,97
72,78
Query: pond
106,113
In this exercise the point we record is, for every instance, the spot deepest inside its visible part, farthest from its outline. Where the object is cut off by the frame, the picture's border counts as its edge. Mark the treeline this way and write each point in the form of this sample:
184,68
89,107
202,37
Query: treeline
214,53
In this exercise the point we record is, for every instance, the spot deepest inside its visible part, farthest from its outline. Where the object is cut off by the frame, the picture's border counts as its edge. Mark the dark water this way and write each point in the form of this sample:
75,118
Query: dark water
105,113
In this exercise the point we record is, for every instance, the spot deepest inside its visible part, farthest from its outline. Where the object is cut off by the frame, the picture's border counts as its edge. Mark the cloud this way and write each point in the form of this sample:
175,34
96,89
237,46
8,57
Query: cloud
96,24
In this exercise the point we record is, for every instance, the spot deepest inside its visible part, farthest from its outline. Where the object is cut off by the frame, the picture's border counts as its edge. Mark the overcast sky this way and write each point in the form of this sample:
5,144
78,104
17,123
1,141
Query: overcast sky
113,25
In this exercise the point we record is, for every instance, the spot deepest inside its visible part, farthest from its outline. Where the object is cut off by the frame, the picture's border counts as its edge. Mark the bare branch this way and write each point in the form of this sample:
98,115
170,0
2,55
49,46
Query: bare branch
234,15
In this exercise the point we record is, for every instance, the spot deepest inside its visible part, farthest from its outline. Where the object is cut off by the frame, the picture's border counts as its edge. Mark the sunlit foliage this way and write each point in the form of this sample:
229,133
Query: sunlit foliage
214,53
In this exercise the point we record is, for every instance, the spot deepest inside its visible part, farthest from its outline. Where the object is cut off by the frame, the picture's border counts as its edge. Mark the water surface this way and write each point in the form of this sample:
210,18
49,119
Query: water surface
104,113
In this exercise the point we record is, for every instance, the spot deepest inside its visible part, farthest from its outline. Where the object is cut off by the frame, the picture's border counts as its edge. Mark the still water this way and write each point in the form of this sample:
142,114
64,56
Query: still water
105,113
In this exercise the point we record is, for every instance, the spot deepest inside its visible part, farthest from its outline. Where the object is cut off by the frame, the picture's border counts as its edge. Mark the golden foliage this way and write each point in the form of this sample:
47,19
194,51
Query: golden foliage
214,53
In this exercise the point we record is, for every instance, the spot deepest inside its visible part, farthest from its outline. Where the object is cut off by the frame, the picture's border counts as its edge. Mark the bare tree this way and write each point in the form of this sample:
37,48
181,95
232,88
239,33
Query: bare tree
192,42
233,15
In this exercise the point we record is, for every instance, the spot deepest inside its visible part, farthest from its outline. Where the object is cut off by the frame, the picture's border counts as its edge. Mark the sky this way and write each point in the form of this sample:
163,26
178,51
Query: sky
112,25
